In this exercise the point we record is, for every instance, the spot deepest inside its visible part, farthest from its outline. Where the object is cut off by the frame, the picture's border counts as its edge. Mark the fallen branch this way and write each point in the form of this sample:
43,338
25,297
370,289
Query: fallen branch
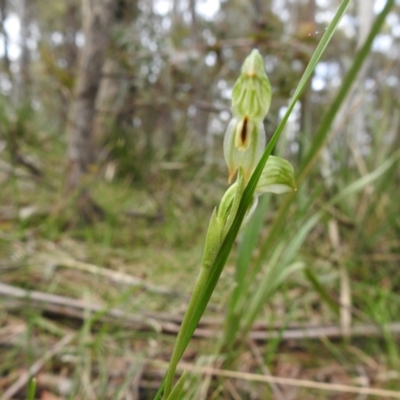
78,308
114,276
160,323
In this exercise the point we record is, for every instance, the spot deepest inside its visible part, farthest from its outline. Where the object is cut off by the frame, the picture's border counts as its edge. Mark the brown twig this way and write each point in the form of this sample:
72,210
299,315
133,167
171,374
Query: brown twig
114,276
247,376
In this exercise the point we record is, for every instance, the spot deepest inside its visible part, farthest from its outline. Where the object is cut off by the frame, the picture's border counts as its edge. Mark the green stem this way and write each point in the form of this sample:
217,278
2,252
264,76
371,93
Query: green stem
181,343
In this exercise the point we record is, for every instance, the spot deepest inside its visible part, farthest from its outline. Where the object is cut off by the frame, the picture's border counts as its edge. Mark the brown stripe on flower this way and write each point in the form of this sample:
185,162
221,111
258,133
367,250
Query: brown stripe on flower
243,132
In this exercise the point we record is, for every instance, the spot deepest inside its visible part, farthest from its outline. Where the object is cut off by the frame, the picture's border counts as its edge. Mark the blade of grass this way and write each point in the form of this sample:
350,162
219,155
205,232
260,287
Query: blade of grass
329,116
319,288
31,389
323,130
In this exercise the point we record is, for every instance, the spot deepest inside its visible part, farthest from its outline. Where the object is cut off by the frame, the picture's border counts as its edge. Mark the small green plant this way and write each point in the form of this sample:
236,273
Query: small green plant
257,172
243,147
31,389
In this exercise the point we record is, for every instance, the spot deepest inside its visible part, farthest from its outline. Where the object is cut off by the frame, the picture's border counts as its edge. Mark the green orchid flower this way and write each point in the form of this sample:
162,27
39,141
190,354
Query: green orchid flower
252,92
277,177
244,140
244,144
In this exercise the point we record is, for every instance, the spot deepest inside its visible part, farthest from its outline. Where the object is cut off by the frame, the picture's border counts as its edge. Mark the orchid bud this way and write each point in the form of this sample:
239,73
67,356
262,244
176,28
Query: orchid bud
230,203
252,92
213,240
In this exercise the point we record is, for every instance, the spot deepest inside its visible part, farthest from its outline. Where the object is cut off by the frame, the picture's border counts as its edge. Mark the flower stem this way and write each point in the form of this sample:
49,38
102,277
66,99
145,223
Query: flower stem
181,343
